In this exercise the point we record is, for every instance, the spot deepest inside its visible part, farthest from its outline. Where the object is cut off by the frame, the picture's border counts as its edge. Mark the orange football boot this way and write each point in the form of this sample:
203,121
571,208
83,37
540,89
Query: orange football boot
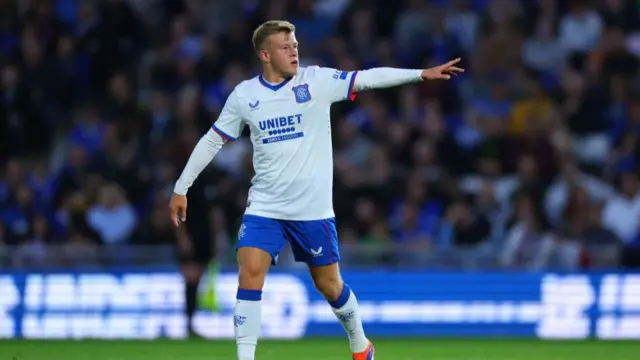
365,355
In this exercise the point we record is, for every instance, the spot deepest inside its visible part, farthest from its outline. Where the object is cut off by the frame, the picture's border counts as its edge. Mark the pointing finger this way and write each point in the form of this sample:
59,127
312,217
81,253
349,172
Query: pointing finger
452,62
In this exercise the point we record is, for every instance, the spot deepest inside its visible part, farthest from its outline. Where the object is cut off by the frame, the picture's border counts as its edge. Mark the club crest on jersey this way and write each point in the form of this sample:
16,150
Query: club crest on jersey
302,93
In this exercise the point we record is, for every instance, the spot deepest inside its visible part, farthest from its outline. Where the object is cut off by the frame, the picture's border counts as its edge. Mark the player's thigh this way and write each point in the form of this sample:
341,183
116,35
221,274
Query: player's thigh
313,242
260,240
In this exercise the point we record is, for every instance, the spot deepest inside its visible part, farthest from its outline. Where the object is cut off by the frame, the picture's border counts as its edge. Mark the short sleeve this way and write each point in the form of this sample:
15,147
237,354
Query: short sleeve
230,123
335,85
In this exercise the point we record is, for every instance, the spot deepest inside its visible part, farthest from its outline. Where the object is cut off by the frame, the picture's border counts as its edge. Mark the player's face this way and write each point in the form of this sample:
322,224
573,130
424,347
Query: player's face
283,53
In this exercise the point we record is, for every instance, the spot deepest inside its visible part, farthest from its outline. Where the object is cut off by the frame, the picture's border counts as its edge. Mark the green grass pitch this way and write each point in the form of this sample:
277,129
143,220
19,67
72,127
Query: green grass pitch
321,349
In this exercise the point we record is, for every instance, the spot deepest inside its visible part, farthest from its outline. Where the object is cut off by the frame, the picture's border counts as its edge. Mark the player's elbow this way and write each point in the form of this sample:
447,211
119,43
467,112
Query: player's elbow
213,140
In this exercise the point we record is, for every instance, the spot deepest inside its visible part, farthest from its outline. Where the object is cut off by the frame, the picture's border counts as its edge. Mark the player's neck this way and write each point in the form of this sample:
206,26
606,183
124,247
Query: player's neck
272,77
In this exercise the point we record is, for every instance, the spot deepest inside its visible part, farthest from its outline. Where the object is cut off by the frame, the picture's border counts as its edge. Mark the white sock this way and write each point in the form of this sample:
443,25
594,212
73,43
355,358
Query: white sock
348,313
247,323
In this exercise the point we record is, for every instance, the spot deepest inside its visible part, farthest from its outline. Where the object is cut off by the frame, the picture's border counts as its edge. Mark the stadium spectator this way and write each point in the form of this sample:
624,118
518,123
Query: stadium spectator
32,251
601,246
528,241
112,217
621,215
462,228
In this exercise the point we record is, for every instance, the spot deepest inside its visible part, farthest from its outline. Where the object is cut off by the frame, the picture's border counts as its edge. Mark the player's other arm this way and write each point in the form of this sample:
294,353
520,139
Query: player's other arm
228,127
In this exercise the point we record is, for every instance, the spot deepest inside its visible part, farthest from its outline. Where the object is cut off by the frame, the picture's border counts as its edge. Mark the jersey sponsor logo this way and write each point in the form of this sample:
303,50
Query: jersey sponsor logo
301,93
280,122
281,128
282,138
254,106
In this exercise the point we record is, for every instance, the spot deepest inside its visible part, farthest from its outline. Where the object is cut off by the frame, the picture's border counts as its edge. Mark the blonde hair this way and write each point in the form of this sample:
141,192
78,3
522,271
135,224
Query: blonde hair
271,27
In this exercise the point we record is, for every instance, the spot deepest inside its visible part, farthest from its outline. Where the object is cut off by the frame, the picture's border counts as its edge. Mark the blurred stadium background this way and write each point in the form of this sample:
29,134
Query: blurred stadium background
503,203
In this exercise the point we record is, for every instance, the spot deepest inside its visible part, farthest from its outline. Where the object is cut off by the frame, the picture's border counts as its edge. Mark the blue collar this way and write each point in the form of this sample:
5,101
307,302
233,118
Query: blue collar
275,87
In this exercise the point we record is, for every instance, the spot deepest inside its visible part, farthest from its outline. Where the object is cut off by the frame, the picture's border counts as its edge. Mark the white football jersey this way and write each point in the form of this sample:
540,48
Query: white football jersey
291,136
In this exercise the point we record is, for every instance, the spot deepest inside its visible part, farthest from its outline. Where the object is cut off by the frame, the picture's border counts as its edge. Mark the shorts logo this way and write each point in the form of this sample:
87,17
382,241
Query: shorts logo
316,252
243,227
239,320
301,93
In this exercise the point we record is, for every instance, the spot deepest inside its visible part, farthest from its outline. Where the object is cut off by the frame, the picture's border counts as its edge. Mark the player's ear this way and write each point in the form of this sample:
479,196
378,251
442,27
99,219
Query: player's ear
263,55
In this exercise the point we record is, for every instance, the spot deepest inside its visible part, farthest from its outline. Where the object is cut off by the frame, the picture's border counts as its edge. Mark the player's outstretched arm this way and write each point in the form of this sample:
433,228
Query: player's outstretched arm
385,77
202,154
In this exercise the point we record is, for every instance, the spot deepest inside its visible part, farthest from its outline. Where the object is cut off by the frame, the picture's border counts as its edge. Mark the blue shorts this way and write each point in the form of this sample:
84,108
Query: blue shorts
313,242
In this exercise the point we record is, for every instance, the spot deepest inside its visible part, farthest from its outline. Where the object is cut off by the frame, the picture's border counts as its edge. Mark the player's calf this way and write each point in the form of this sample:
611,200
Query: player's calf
253,265
328,282
344,304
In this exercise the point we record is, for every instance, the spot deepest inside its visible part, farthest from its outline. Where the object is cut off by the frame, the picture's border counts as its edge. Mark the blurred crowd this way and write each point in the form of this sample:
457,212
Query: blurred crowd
530,159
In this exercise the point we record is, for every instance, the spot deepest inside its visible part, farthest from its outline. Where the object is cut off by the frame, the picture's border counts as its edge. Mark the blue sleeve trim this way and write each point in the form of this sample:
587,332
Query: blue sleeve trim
222,133
351,95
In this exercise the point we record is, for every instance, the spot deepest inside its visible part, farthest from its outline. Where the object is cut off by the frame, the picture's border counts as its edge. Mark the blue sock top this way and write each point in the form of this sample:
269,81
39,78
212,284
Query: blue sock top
342,299
249,294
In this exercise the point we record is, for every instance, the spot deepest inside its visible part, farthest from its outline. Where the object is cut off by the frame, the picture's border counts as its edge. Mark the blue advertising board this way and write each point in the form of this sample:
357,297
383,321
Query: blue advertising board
148,304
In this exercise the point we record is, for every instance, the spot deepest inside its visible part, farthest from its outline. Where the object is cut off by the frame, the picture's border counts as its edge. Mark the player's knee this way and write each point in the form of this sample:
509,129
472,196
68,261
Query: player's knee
254,264
330,286
251,278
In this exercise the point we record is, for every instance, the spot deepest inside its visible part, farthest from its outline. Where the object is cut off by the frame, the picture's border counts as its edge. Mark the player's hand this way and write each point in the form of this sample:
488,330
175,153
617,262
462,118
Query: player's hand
443,72
178,209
